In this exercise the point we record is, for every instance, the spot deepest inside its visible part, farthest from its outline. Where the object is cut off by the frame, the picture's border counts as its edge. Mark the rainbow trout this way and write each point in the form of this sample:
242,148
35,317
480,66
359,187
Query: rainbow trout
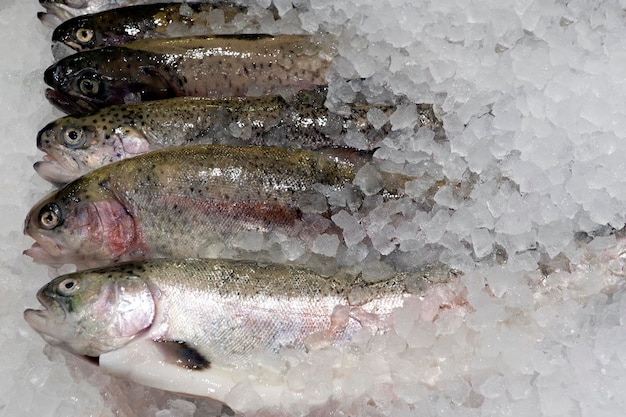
216,66
58,11
197,326
123,25
77,145
177,202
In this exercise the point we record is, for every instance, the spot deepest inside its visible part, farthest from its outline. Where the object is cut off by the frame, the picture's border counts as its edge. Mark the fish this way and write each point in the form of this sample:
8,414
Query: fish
179,201
196,326
199,66
58,11
123,25
75,145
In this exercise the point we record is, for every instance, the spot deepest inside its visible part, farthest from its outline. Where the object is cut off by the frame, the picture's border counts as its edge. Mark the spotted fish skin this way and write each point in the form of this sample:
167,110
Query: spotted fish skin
216,66
177,202
77,145
123,25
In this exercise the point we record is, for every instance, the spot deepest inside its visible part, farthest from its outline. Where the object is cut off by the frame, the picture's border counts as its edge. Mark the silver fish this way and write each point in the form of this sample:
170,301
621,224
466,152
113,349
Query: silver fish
196,326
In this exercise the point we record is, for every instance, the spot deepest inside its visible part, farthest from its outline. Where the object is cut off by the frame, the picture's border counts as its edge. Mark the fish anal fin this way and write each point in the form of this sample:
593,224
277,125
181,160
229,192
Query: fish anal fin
183,354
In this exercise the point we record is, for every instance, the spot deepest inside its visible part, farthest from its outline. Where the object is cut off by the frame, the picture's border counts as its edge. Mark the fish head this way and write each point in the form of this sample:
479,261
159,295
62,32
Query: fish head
73,147
83,224
91,313
79,84
81,33
90,80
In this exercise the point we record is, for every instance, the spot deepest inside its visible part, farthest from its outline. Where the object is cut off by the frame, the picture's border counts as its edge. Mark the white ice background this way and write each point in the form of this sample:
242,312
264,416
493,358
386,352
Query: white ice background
533,99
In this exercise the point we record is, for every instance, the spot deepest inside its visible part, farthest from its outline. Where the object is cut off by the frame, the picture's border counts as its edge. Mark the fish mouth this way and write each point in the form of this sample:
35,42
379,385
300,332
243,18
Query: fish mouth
69,103
57,13
39,319
46,320
49,19
48,254
56,172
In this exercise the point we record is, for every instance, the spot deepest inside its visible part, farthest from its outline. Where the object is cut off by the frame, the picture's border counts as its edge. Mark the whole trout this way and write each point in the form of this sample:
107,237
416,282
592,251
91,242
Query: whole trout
123,25
77,145
196,326
177,202
217,66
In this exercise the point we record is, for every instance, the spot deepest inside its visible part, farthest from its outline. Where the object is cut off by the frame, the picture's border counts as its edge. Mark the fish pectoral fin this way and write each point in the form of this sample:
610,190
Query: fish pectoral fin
338,323
132,140
365,319
182,354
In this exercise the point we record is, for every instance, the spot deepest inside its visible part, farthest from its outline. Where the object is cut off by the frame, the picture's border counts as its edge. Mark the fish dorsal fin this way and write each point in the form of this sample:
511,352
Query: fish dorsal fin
183,354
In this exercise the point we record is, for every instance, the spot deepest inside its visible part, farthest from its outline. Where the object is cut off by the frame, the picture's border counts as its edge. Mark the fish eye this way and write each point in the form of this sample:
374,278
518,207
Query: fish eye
89,86
50,216
84,35
68,286
73,137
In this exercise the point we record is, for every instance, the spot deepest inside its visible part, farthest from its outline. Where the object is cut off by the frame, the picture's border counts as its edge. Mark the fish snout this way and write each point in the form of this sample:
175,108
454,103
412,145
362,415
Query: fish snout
49,20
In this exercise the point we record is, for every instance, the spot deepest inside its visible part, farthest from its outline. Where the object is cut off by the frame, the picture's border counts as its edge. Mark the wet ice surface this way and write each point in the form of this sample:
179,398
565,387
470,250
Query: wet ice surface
531,96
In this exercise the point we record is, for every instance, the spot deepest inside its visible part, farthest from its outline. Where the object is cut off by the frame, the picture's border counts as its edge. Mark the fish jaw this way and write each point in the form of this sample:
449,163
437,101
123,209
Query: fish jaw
49,19
53,170
69,103
48,255
50,322
55,13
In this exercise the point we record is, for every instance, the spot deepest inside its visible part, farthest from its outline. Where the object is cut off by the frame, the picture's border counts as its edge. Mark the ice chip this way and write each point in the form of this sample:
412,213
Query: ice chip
369,179
404,116
326,245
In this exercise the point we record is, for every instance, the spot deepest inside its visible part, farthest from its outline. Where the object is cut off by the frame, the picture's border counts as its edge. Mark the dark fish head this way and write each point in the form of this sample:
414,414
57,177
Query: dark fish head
79,86
87,312
90,80
82,223
107,28
82,32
